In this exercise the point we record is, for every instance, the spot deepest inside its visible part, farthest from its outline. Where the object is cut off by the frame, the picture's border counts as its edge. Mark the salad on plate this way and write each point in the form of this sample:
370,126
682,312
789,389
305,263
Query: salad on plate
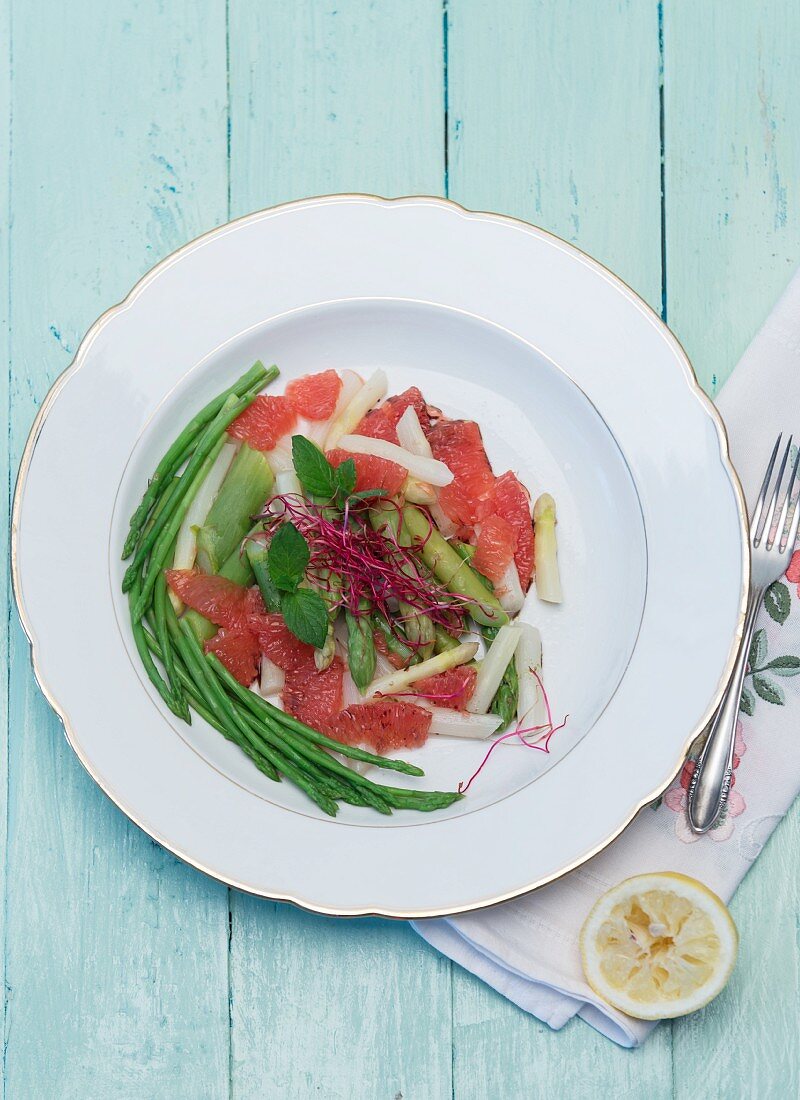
331,575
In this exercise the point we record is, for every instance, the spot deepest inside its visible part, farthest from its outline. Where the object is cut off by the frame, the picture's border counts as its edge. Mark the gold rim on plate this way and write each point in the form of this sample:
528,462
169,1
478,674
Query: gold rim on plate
517,223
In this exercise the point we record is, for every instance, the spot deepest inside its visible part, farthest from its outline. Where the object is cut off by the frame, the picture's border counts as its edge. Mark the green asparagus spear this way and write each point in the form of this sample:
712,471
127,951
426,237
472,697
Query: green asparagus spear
327,763
242,494
504,704
361,655
329,586
450,568
333,788
403,799
159,624
463,549
258,556
208,443
139,636
264,740
163,550
417,625
360,790
277,743
393,643
161,608
187,683
219,702
264,709
258,376
444,640
237,569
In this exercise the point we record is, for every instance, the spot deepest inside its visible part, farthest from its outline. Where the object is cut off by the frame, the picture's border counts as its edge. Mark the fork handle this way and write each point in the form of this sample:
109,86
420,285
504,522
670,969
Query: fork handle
711,780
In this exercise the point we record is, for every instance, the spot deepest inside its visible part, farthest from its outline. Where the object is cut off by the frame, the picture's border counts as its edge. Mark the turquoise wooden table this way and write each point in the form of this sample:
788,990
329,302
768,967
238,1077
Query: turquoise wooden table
663,139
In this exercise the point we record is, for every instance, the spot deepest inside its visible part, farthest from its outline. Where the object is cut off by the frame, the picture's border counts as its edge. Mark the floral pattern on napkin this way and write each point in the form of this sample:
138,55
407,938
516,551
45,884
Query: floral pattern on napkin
676,797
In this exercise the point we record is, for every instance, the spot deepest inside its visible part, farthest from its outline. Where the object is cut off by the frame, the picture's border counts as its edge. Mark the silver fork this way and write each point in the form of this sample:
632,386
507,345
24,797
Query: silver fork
771,549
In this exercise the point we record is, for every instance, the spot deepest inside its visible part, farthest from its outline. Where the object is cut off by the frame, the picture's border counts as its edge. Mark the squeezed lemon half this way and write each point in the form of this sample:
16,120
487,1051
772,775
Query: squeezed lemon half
658,946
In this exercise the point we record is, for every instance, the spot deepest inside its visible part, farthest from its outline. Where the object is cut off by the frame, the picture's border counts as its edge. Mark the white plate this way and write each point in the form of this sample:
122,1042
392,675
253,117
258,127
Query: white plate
577,385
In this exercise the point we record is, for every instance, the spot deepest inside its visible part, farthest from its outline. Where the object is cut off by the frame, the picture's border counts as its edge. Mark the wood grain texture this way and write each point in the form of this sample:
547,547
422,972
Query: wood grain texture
116,979
5,506
340,1009
335,97
732,208
747,1041
330,97
732,144
129,131
553,116
546,125
499,1051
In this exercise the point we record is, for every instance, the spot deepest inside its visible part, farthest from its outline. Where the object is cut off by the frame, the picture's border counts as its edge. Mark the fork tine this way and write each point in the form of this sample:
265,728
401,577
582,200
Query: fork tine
765,533
792,537
780,530
762,496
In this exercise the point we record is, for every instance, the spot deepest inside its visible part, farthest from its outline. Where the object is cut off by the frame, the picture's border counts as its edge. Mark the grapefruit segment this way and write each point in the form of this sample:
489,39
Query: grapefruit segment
458,443
512,502
315,395
254,608
495,547
381,423
383,724
264,422
372,472
238,650
219,600
312,696
280,645
449,689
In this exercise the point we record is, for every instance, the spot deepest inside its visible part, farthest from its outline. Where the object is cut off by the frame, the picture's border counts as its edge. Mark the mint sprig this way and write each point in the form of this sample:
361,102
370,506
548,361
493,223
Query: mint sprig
303,610
305,614
319,477
346,477
288,558
316,475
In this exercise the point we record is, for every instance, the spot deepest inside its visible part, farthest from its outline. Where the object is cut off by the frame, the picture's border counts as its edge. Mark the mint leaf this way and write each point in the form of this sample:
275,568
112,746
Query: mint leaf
313,470
306,616
783,666
346,476
778,602
758,650
288,558
768,691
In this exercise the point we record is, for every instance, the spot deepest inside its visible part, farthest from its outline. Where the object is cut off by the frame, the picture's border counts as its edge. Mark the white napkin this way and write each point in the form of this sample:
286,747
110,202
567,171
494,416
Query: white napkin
528,949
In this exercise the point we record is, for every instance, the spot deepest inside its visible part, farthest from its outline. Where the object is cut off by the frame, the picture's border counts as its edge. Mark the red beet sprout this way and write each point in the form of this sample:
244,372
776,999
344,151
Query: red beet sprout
433,696
542,744
375,570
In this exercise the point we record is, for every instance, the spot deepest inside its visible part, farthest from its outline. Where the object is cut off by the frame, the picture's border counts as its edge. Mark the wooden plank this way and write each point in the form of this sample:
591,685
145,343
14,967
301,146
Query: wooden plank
499,1051
332,97
554,117
116,954
747,1040
339,1009
733,239
5,506
326,98
732,165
